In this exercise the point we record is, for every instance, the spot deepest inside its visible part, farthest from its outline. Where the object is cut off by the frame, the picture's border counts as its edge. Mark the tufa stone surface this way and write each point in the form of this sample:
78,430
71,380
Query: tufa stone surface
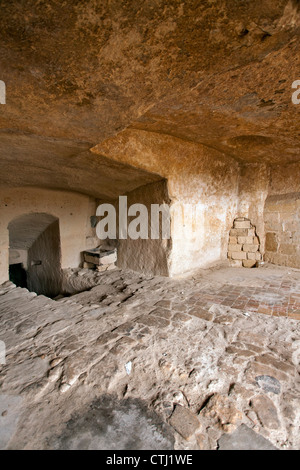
184,422
244,438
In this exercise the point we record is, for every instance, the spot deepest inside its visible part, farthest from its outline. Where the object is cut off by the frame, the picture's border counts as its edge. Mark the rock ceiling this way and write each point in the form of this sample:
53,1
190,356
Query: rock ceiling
216,73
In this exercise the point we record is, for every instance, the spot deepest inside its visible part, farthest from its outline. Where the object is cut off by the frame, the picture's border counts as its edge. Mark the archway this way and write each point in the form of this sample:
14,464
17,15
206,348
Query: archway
35,253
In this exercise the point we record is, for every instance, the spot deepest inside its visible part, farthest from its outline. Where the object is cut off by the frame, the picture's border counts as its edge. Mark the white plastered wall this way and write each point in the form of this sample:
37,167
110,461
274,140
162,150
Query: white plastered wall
72,209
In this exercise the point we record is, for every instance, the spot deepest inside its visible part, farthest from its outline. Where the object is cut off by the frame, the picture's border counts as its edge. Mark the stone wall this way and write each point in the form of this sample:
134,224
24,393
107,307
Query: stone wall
281,216
197,176
284,179
253,191
282,226
18,256
244,245
149,256
221,189
44,274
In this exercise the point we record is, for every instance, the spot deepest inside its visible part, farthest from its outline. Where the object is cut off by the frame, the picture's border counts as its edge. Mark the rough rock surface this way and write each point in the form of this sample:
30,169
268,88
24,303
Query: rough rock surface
244,438
214,73
129,336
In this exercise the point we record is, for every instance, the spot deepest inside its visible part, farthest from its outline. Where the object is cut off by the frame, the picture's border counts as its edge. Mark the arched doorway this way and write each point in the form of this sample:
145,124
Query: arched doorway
35,254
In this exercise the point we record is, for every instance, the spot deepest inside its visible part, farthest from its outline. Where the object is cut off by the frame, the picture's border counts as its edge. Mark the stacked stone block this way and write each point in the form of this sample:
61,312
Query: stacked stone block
244,246
102,260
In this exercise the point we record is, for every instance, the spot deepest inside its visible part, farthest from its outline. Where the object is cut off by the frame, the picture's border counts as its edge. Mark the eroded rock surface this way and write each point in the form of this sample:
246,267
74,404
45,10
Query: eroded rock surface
132,336
217,74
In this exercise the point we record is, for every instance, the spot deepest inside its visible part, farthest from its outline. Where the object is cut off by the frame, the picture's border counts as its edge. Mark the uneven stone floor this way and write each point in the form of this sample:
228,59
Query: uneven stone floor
202,362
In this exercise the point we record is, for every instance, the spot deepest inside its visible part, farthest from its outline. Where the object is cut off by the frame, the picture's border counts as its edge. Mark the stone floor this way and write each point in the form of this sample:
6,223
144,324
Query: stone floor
203,362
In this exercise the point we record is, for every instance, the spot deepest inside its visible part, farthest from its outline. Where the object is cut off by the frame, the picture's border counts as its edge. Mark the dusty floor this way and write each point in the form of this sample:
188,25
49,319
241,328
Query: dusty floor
205,362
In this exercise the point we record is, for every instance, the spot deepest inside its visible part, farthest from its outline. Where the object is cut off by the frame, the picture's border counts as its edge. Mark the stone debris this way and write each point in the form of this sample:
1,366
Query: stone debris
102,259
221,410
266,411
268,383
244,246
244,438
201,365
184,422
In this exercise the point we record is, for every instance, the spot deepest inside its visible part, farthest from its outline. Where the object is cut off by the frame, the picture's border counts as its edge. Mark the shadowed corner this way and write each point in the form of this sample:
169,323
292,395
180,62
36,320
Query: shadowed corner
109,423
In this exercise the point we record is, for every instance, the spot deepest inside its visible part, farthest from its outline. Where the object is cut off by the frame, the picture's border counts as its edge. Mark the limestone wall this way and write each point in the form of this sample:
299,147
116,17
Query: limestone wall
73,211
196,175
282,216
44,271
253,191
149,256
269,196
206,190
282,225
284,179
18,256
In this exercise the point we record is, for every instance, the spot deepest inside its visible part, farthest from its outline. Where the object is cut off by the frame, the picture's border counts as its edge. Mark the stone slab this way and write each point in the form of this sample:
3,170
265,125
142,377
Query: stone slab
184,422
244,438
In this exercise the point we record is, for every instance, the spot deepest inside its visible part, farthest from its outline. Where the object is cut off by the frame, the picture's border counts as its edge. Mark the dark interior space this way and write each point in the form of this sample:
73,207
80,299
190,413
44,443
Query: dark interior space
38,236
17,275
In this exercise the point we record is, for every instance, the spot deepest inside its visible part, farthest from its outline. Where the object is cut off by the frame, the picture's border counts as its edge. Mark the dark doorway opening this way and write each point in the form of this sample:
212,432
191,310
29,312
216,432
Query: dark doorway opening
36,238
18,275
